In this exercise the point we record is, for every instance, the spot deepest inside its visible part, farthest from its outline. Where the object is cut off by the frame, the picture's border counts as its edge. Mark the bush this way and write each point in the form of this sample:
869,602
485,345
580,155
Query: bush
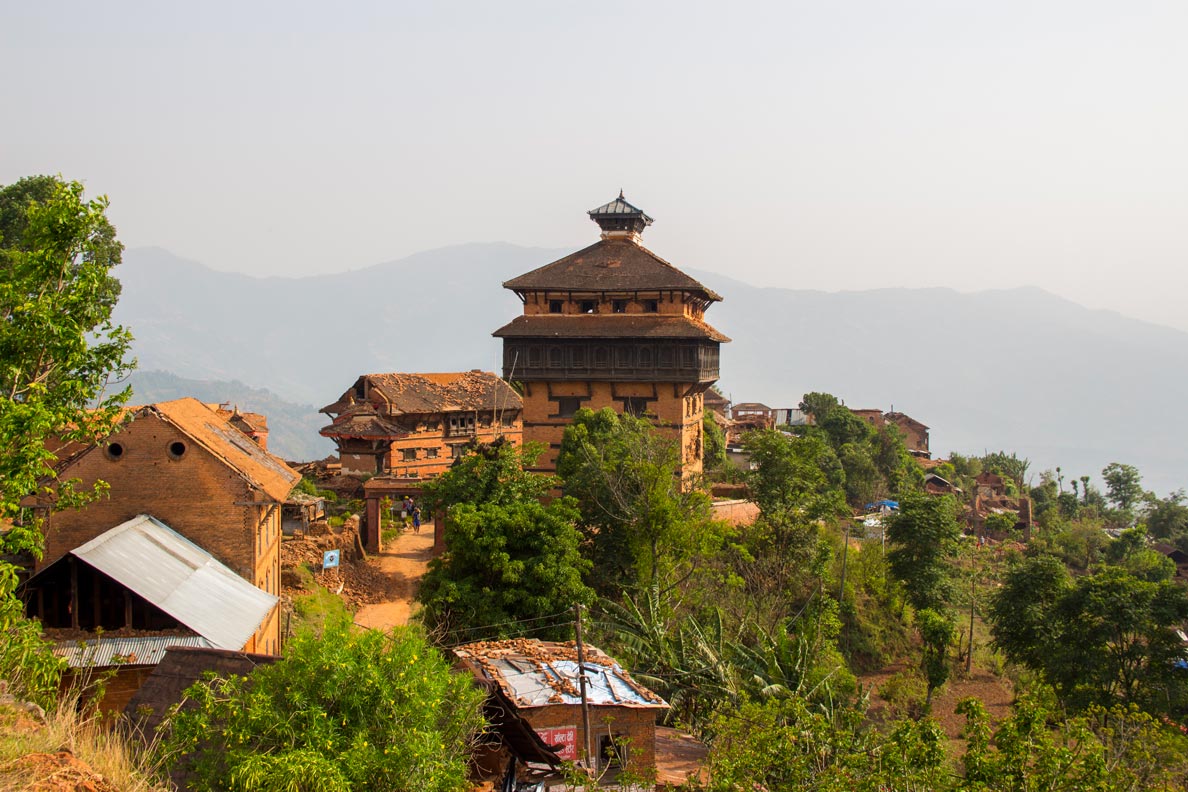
348,710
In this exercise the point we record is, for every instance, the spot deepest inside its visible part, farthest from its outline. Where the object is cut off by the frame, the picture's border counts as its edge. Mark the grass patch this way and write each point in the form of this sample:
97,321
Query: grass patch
311,610
122,762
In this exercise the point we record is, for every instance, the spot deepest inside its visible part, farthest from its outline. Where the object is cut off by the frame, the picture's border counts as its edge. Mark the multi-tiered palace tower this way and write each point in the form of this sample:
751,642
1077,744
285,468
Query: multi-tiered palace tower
613,325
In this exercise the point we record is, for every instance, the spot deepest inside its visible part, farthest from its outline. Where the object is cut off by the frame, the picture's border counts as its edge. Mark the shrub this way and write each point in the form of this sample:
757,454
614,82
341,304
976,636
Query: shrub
344,711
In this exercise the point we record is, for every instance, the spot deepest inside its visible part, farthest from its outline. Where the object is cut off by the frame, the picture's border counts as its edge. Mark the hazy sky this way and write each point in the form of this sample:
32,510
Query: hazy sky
827,145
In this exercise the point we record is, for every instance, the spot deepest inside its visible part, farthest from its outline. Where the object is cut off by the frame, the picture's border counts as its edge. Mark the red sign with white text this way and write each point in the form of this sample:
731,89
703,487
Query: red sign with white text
565,736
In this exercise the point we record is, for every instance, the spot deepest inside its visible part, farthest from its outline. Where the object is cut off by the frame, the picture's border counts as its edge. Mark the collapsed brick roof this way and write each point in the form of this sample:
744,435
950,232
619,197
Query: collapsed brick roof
608,326
610,265
534,673
398,393
362,421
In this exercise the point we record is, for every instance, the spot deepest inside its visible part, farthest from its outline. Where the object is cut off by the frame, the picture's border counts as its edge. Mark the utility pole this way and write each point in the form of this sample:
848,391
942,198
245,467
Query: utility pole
591,759
969,657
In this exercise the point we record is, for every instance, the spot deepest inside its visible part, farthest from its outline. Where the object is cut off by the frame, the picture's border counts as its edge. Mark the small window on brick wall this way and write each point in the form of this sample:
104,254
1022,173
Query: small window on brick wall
555,306
431,453
619,306
408,455
567,406
457,451
589,306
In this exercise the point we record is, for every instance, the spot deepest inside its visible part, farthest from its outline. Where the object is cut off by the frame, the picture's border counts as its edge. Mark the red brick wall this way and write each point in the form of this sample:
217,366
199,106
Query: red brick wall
636,723
674,413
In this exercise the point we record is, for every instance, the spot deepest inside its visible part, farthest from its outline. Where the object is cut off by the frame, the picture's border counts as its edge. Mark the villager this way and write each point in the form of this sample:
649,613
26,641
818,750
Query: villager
416,512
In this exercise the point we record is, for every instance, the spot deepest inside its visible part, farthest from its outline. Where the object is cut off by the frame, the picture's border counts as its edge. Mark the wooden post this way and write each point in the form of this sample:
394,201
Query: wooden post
73,593
591,759
128,608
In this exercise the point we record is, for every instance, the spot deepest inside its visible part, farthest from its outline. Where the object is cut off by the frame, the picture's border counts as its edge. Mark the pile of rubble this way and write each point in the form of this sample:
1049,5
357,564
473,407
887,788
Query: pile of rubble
358,581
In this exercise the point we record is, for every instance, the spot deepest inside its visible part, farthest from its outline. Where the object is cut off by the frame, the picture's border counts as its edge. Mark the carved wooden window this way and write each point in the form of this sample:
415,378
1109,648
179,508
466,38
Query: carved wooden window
644,355
667,357
623,357
535,356
556,357
601,357
577,357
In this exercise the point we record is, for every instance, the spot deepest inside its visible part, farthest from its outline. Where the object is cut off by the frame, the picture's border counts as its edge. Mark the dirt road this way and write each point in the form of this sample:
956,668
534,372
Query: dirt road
404,561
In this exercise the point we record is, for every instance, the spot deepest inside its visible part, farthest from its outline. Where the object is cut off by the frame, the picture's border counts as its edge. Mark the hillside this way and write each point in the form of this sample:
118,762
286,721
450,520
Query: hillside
1020,369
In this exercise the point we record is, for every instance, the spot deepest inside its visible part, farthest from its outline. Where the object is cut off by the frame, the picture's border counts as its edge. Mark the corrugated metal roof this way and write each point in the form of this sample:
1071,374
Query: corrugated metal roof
110,651
181,579
541,673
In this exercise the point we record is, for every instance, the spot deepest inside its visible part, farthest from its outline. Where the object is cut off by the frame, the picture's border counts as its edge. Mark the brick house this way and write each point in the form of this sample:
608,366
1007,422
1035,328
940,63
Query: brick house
183,464
416,425
613,325
915,433
540,679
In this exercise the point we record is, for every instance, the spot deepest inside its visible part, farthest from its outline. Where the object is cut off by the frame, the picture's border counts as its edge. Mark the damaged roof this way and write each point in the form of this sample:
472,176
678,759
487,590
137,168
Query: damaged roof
608,326
259,469
610,265
179,577
362,421
535,673
399,393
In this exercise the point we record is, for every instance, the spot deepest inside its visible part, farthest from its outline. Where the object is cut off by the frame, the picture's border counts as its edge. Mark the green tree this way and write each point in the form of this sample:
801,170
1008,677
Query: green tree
1124,487
1167,518
924,537
58,351
642,521
348,710
505,566
493,472
937,632
1103,638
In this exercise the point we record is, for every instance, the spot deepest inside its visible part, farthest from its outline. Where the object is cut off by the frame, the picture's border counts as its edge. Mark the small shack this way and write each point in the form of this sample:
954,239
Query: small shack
120,600
540,679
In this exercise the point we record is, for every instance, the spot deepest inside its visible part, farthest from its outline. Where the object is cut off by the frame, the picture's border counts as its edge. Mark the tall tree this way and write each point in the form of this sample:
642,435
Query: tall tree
58,351
642,520
509,558
1124,487
924,537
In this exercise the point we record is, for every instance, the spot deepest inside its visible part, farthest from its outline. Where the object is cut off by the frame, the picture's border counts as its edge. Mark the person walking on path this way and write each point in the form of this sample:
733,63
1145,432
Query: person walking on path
417,519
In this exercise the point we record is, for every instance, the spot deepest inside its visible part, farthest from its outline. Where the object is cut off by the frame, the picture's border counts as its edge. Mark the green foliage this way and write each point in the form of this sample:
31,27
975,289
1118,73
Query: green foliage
350,710
924,538
1000,523
1009,466
489,473
1100,639
1103,750
642,522
505,564
782,745
58,349
27,661
795,479
58,345
1167,518
1124,487
937,632
713,445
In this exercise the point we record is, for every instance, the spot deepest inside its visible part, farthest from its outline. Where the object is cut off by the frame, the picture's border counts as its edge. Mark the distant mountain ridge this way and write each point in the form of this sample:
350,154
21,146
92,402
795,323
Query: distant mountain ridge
1018,369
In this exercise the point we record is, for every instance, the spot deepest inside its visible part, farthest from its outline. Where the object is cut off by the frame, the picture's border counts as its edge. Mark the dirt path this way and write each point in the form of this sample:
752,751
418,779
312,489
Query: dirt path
404,562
